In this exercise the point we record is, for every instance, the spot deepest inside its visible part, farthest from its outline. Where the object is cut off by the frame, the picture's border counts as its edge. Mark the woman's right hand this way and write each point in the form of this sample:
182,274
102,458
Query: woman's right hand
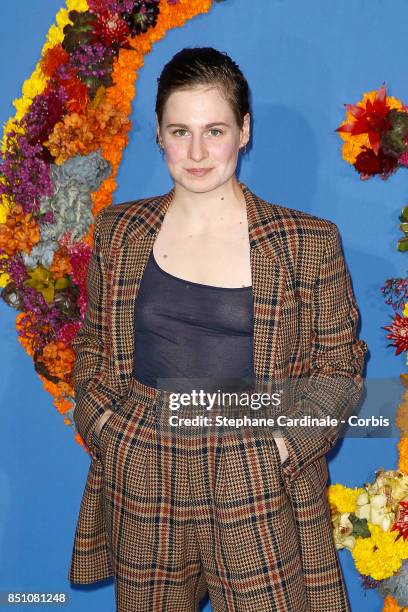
102,420
282,448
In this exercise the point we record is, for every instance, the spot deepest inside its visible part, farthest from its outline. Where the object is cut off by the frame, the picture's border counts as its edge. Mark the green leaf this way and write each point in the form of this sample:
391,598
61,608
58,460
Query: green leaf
404,214
360,527
403,244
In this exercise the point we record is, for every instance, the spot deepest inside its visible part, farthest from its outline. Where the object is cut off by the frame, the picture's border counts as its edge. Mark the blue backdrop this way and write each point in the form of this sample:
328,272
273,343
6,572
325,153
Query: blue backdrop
303,61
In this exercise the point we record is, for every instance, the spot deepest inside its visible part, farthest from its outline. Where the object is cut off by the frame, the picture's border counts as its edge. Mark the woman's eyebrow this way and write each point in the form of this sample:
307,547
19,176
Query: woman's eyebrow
206,126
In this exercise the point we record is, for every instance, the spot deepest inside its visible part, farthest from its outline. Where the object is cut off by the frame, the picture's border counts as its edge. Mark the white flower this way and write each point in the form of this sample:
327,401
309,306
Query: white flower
342,531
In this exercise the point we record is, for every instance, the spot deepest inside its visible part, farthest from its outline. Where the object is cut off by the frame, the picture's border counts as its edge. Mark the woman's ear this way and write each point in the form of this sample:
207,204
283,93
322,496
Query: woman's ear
158,139
246,131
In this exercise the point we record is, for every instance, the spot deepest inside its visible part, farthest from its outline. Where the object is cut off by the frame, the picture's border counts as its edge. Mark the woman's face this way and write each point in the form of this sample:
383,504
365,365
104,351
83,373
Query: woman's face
199,131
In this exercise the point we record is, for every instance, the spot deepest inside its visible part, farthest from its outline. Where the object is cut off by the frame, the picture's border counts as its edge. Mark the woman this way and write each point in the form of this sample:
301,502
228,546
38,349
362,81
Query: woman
210,282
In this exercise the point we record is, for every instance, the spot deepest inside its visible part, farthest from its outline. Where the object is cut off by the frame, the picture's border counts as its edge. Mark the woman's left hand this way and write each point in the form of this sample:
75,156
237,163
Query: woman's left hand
283,451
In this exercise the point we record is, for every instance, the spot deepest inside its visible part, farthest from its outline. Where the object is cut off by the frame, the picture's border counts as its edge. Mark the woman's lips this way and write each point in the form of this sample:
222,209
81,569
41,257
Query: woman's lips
198,171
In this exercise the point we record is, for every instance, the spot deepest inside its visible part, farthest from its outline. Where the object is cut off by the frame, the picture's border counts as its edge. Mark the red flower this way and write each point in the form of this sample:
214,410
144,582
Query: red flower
368,163
399,333
53,58
371,120
401,524
111,29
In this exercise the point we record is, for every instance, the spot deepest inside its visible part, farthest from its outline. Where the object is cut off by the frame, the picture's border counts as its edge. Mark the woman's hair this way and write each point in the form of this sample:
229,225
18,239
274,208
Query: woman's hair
194,66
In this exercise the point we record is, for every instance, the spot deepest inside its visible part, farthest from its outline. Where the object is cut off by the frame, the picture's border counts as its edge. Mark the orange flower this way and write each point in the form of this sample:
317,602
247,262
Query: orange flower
354,142
403,454
58,359
81,442
20,232
28,341
401,418
390,605
61,263
83,133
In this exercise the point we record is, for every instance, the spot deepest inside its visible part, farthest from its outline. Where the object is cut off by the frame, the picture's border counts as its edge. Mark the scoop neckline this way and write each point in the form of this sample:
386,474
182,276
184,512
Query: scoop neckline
188,282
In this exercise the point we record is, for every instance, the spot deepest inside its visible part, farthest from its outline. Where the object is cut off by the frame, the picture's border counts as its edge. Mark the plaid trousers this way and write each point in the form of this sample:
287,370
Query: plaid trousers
196,511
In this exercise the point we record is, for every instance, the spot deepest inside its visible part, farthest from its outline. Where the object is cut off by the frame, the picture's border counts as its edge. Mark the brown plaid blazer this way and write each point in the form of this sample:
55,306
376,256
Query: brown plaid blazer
305,328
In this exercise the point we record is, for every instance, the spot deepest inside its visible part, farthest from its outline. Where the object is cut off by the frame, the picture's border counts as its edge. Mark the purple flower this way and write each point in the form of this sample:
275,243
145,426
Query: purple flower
16,269
395,292
89,60
45,111
27,174
112,6
44,321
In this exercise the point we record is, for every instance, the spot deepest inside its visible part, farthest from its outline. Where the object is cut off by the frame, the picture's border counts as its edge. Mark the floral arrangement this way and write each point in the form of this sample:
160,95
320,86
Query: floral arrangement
60,154
375,134
372,523
395,292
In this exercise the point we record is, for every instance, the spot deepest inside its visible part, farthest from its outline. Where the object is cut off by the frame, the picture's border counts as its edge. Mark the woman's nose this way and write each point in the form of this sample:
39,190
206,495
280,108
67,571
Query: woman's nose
198,149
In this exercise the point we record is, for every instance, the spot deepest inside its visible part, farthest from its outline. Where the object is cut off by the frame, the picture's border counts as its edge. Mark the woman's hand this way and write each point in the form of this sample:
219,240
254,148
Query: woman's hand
283,451
102,420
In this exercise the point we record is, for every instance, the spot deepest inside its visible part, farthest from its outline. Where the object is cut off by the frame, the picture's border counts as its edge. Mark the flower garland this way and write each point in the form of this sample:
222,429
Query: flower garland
372,522
60,154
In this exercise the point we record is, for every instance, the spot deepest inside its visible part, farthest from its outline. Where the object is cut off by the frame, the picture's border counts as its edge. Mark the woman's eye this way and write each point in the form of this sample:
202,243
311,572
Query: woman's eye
216,130
179,130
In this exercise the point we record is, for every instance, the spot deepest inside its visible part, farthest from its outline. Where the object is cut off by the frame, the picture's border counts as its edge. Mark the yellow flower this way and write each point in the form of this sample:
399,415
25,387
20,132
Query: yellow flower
405,311
77,5
379,556
353,146
343,498
35,84
4,277
4,210
31,87
8,127
54,37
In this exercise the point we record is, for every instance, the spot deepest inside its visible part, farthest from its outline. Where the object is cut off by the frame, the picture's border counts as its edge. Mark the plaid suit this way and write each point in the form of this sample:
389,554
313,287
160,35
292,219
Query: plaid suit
277,516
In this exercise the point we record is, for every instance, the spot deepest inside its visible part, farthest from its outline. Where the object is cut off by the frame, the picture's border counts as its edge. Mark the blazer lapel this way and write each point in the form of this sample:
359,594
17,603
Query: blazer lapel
129,258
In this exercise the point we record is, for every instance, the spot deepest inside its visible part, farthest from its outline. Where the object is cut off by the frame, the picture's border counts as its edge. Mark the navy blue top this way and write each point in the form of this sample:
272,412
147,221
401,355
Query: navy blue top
186,330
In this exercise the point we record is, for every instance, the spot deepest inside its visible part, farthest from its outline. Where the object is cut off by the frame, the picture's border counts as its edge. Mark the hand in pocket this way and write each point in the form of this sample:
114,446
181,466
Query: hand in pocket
103,419
282,448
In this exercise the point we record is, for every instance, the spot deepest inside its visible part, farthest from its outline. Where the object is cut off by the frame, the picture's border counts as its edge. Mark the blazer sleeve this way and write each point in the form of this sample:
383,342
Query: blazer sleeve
337,360
91,346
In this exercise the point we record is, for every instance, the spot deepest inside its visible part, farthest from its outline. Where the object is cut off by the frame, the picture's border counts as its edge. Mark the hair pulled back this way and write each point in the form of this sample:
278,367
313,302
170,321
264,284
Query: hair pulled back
197,66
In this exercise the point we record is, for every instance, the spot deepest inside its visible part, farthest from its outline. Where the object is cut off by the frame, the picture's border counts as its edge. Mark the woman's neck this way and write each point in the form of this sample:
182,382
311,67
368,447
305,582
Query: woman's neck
201,209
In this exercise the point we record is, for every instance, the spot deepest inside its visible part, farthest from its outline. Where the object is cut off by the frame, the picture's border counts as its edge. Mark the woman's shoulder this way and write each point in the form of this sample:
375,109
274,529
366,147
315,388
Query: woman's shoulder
297,220
119,218
123,209
275,215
